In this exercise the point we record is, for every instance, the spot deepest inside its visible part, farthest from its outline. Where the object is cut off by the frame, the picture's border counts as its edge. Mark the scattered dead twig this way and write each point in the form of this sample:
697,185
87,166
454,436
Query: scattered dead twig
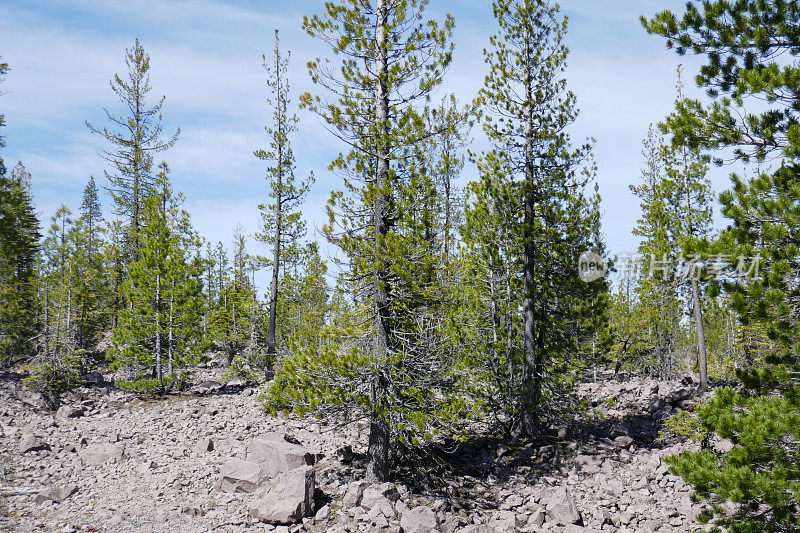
12,491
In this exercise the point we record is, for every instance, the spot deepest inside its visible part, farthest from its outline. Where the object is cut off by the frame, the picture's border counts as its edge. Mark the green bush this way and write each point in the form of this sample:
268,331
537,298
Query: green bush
52,375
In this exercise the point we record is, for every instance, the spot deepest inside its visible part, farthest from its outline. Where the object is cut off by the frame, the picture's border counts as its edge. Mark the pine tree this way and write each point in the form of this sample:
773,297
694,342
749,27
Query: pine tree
134,138
304,305
658,292
92,294
59,287
158,329
446,161
391,60
283,226
19,249
528,111
745,44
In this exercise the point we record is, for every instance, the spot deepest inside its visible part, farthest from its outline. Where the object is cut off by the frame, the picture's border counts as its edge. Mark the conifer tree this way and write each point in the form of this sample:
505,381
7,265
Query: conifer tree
658,289
283,226
528,112
91,297
158,329
59,295
234,314
133,138
391,60
746,44
19,249
446,160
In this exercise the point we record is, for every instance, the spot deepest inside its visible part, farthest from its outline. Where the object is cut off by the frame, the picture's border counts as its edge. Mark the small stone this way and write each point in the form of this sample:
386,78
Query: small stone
345,454
623,441
204,445
29,443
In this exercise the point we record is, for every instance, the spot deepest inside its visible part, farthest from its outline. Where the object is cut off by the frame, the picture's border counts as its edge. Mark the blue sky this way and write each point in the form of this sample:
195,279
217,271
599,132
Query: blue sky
206,60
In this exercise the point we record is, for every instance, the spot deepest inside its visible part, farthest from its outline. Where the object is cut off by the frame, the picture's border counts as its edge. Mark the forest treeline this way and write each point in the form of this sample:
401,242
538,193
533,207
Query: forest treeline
455,299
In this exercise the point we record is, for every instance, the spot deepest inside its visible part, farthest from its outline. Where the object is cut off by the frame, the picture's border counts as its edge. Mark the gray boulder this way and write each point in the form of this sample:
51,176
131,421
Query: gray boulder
238,475
379,495
353,493
276,456
30,443
287,498
56,494
204,445
71,411
97,454
561,508
419,520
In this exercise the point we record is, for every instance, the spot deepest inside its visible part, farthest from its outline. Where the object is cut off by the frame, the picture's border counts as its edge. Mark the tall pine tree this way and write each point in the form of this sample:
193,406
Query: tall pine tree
133,139
19,249
283,226
528,113
391,60
746,44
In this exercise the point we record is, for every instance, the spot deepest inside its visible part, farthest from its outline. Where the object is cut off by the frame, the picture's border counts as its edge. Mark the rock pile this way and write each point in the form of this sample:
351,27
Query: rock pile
108,462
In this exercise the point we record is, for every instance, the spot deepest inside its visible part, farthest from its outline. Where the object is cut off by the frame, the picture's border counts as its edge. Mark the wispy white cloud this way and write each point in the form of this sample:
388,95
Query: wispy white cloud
206,59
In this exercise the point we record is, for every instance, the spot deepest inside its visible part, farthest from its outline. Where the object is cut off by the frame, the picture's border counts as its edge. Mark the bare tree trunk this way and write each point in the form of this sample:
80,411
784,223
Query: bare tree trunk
276,251
170,340
531,378
69,336
447,200
46,328
157,307
702,361
379,434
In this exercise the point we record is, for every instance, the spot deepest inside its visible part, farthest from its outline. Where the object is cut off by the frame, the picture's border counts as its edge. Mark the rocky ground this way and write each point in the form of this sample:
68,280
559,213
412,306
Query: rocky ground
213,460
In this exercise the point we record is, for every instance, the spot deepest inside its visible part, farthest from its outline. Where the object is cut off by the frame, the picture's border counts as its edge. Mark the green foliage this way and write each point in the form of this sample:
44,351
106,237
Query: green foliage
159,326
746,43
686,425
53,375
762,471
92,294
133,139
530,217
146,386
19,251
389,360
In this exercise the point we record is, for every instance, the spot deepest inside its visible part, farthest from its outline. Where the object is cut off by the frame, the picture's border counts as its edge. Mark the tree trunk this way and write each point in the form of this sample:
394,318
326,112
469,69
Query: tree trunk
276,251
378,451
170,340
159,374
46,318
378,465
702,361
273,288
531,378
